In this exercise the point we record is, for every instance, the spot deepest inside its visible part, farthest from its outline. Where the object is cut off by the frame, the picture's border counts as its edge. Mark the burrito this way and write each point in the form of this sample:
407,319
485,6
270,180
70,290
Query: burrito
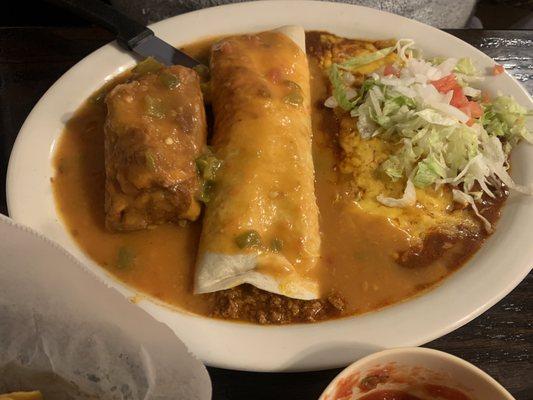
261,220
154,130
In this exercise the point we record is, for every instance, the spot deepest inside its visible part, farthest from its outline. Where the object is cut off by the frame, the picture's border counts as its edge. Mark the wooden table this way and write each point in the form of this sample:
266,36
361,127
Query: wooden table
500,341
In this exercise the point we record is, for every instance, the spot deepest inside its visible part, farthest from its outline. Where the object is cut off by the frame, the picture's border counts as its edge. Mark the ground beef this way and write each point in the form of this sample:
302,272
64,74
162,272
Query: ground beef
247,303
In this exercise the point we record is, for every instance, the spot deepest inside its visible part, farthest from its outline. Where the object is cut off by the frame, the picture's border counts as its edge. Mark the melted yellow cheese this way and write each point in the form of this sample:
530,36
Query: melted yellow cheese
265,186
361,160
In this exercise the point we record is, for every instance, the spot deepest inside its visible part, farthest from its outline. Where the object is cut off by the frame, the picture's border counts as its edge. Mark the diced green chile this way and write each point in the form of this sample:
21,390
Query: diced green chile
339,88
202,71
207,165
205,87
150,160
211,169
201,164
295,96
153,107
125,257
248,239
276,245
169,80
147,66
208,187
292,85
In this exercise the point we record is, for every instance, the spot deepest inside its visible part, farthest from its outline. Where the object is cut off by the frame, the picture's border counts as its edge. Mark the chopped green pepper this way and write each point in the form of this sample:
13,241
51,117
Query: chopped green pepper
125,257
169,80
212,168
294,98
205,87
276,245
208,187
150,160
154,107
148,65
201,164
202,71
207,165
293,86
248,239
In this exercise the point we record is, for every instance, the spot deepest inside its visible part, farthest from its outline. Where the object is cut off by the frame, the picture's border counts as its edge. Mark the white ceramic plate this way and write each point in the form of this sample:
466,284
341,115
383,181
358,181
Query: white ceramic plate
495,270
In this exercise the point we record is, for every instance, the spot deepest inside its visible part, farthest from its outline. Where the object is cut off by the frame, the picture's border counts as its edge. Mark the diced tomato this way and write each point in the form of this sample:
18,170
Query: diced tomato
497,69
390,70
485,97
475,109
445,84
459,99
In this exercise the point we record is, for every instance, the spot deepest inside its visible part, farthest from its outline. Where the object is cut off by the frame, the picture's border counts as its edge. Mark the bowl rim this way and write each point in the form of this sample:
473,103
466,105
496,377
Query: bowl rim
438,354
297,347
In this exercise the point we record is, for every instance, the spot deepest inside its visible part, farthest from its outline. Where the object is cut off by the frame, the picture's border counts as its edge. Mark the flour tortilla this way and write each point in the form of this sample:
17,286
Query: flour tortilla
266,182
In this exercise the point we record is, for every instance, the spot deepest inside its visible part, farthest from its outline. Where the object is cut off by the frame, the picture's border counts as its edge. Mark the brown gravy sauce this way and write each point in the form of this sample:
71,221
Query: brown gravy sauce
359,251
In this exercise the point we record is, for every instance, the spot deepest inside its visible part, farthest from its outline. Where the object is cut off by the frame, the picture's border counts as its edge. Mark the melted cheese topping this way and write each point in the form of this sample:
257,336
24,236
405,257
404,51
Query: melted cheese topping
361,159
263,136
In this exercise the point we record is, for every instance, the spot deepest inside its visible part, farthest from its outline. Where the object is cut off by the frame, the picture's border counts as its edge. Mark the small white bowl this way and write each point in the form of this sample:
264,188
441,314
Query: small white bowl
424,366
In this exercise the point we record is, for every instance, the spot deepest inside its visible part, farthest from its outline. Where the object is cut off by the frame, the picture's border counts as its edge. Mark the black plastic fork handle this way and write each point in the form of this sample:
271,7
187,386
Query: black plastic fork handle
128,32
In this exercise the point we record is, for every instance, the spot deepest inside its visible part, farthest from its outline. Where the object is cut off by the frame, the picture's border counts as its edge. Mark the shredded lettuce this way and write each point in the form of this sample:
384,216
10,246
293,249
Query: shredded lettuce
466,66
339,88
408,199
404,49
436,142
365,123
436,118
401,163
356,62
505,118
393,167
436,60
466,199
340,80
429,170
343,96
462,146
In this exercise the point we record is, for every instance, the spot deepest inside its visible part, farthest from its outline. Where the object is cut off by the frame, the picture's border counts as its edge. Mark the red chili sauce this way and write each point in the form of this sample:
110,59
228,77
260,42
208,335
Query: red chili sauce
430,392
368,388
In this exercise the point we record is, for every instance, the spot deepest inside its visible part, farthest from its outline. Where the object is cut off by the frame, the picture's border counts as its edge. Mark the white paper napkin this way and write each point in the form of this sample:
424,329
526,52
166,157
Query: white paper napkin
65,333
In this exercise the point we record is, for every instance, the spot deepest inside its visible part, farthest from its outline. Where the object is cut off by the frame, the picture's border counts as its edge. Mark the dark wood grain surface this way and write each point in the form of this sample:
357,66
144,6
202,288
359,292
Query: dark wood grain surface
500,341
